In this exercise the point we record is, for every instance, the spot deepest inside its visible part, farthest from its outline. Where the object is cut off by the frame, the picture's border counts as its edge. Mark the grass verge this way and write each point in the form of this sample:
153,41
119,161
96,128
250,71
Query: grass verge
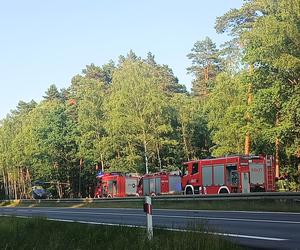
235,205
38,233
284,205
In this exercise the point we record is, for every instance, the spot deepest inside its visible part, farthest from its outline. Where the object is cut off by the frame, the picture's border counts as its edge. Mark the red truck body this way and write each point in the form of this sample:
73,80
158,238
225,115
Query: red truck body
116,185
232,174
159,184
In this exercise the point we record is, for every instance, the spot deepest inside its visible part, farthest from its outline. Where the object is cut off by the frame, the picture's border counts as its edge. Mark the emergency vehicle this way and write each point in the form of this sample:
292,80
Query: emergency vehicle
159,184
116,184
232,174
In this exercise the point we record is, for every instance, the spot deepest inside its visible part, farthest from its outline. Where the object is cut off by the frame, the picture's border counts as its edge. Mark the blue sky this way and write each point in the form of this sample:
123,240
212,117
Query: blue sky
46,42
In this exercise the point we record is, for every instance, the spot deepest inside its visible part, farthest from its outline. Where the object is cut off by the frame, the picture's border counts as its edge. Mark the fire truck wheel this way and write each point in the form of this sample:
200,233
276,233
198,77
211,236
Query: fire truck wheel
109,196
223,191
189,191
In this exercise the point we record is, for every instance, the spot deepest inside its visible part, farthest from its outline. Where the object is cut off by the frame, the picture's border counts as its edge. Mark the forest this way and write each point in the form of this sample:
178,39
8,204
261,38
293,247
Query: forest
134,115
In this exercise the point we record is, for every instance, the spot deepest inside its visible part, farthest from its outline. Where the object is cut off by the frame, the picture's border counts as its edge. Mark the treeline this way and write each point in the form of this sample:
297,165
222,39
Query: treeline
134,115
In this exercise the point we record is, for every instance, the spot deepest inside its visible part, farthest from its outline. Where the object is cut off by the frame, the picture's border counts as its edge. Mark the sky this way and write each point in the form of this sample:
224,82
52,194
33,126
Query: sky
48,42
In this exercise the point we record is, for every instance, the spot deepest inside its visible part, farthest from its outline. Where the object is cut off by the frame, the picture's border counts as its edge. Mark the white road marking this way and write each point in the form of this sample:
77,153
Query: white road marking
165,209
169,229
227,211
228,219
232,235
168,216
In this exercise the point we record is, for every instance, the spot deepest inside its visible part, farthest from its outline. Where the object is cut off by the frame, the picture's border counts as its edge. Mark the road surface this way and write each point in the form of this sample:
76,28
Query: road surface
258,230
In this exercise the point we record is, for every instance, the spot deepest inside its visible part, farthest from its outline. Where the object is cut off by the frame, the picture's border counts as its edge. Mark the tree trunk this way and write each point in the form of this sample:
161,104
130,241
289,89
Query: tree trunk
79,180
58,190
277,164
247,143
186,150
24,186
15,187
19,180
28,181
145,152
5,183
248,115
102,163
158,157
10,187
277,143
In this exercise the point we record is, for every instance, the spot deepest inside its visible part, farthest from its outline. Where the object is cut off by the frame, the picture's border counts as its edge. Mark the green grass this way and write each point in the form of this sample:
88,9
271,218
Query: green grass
38,233
283,205
234,205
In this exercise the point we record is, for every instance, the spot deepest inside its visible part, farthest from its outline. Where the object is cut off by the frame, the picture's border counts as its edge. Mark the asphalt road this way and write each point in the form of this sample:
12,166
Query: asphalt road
258,230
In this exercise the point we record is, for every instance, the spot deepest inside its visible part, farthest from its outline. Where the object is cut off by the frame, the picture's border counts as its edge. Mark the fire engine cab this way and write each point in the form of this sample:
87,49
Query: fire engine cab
159,184
232,174
116,185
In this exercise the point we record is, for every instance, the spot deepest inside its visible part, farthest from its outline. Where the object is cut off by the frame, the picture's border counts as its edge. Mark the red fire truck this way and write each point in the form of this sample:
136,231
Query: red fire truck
232,174
159,184
116,185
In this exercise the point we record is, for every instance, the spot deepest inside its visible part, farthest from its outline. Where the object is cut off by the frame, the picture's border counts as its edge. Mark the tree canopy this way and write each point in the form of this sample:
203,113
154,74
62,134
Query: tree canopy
135,115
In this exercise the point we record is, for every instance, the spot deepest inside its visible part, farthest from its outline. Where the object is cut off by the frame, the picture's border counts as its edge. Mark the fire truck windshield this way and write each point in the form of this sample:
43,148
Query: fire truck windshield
183,170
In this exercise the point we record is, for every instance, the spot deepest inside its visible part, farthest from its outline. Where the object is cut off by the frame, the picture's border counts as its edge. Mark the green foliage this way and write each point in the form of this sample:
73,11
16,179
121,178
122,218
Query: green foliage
191,126
103,74
55,148
226,109
135,116
206,64
52,93
268,32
